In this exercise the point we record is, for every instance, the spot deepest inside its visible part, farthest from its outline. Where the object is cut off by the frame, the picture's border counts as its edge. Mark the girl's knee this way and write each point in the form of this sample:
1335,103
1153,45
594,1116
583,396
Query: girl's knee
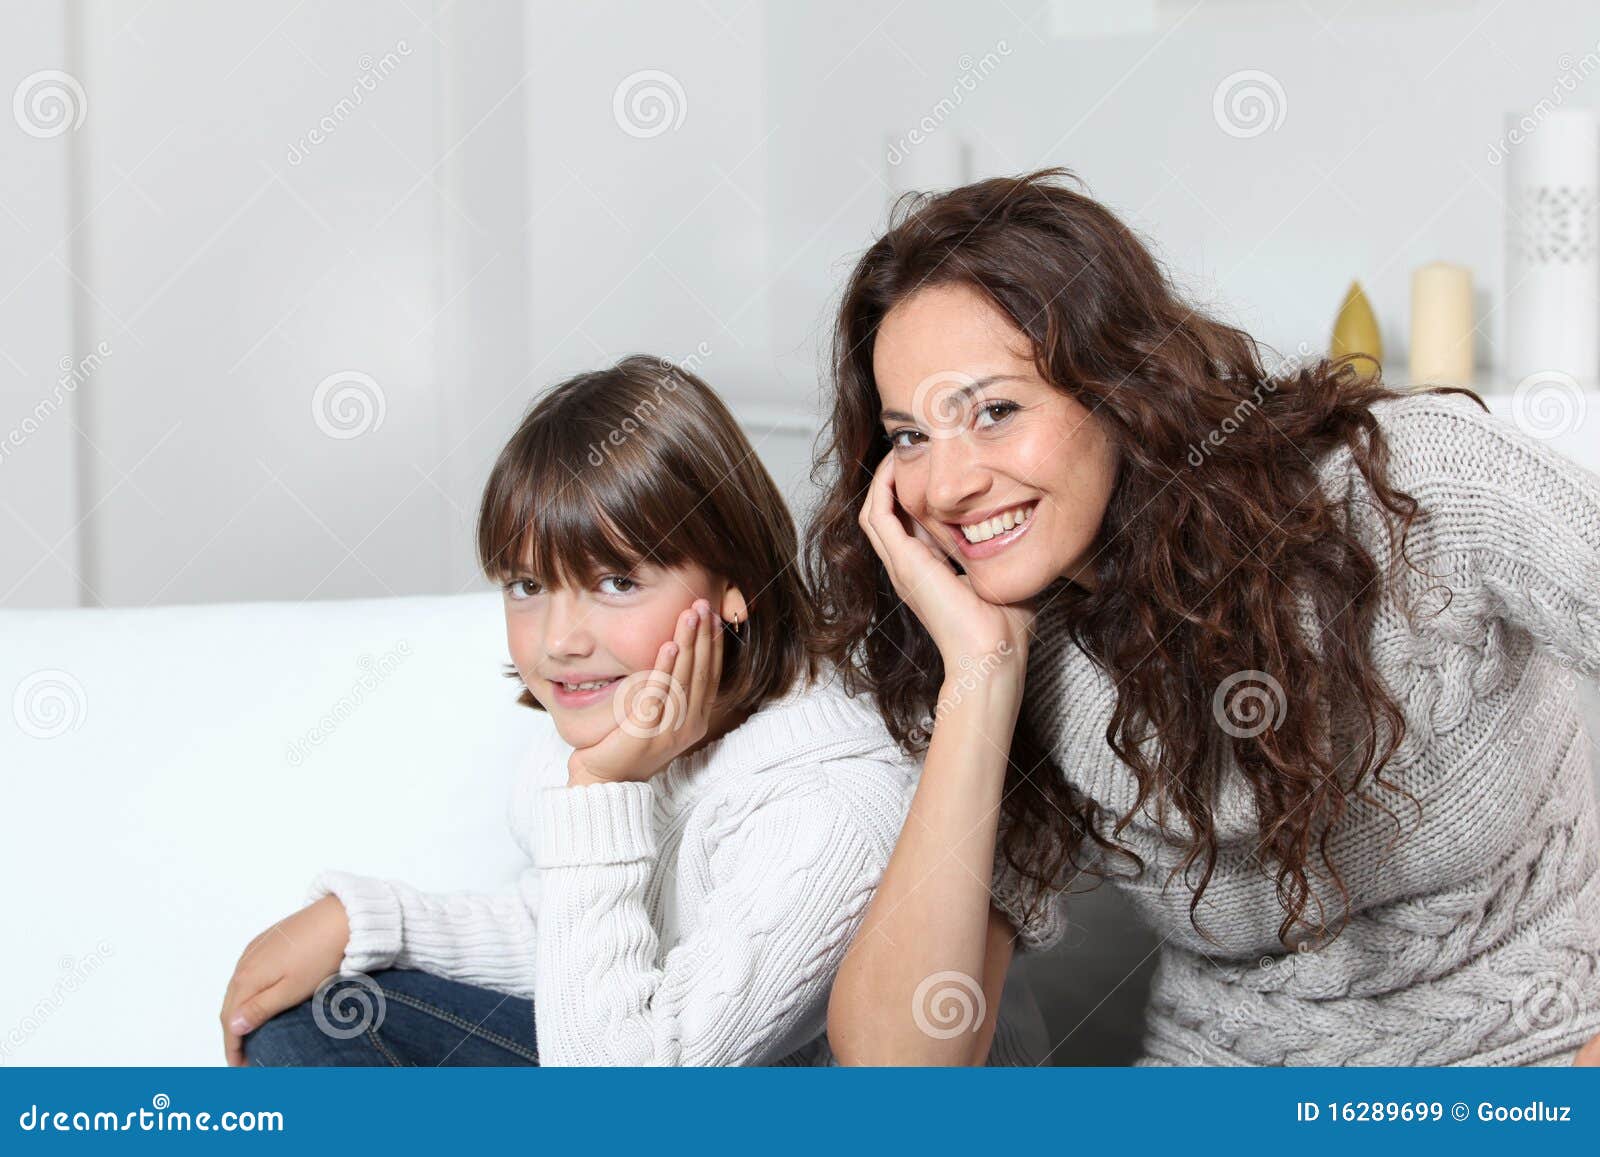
290,1038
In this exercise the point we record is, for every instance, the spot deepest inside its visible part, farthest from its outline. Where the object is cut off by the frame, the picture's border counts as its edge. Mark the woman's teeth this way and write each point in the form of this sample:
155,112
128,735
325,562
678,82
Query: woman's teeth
999,524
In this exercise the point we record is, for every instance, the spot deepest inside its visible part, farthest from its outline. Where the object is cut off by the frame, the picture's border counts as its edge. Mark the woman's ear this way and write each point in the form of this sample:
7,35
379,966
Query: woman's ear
733,609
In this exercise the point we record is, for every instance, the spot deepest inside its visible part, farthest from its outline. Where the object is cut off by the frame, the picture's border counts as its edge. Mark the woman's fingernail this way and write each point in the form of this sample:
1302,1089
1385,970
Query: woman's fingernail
239,1024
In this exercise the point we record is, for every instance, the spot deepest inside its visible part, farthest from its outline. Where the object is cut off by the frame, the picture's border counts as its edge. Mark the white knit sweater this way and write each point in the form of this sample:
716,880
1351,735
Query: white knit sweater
1476,938
695,919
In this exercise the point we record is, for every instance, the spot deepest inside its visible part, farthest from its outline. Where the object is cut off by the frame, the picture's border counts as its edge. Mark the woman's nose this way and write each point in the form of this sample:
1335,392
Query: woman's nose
956,473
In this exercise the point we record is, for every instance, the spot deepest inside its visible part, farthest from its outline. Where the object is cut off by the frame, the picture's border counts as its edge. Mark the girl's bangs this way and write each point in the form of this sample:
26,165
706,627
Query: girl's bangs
566,524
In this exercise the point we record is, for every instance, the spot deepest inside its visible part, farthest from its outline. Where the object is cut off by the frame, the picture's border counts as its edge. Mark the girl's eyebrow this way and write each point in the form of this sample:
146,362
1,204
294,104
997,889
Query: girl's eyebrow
961,394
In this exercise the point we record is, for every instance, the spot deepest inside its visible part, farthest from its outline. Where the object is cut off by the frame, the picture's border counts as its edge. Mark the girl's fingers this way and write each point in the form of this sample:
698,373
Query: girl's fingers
699,700
666,656
683,663
716,655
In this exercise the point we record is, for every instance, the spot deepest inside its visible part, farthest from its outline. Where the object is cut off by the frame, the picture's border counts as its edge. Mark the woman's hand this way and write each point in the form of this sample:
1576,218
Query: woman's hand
1589,1054
966,629
280,968
660,712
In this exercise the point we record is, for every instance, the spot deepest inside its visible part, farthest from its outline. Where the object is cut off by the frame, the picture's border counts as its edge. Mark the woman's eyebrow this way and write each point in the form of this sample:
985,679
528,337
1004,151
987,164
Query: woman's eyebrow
961,394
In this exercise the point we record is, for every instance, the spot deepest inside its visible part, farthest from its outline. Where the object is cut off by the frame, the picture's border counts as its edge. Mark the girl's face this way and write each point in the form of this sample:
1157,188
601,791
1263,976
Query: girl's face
560,637
1010,475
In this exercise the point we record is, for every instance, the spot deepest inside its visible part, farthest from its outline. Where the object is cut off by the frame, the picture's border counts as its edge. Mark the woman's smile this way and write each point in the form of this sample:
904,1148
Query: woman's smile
991,532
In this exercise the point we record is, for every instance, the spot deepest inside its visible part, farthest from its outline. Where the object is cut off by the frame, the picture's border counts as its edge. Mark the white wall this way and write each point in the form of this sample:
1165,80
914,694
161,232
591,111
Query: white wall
39,350
483,223
1380,163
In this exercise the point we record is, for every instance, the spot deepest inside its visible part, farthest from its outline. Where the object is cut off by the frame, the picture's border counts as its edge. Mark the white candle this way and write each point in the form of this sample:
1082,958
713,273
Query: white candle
1441,325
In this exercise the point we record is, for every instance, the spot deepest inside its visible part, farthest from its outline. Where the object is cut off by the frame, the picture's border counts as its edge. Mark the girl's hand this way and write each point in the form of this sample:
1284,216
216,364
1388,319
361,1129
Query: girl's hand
660,712
280,968
964,627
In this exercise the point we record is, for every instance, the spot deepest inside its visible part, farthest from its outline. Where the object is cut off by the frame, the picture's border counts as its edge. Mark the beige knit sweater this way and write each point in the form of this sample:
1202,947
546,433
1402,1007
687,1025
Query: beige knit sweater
1476,938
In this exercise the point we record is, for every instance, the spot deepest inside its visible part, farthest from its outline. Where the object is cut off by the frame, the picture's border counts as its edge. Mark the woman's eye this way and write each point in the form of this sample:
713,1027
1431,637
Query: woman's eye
906,438
617,584
520,589
996,412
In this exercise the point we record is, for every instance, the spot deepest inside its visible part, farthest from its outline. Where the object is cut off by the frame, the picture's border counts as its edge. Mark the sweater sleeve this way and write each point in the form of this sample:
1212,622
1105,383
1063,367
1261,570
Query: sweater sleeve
786,881
1515,528
485,939
1039,924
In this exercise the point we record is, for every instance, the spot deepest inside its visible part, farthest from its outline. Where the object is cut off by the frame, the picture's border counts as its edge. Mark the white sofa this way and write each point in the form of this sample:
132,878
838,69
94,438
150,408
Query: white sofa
176,775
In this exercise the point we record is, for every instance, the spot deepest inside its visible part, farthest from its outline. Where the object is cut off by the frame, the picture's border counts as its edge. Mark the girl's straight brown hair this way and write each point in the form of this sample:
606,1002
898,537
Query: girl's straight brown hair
641,463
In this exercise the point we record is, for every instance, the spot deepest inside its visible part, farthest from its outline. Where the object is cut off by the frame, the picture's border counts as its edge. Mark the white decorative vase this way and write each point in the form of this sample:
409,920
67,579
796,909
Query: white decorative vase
1552,283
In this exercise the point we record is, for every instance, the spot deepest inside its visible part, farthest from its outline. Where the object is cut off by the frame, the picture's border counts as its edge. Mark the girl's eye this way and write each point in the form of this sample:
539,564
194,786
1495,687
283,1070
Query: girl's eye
906,438
996,412
619,584
520,589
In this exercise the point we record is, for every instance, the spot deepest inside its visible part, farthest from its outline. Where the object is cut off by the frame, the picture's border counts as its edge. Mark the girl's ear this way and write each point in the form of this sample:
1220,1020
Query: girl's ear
733,609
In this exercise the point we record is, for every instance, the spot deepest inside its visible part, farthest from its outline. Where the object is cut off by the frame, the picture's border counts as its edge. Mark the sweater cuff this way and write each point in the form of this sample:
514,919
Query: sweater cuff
1039,922
598,823
373,913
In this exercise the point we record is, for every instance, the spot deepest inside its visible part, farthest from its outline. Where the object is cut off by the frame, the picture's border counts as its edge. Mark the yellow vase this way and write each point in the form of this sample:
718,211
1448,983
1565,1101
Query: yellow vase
1355,331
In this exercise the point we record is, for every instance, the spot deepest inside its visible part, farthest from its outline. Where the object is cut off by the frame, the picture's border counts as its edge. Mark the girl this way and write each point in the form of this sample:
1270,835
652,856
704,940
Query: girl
705,836
1303,641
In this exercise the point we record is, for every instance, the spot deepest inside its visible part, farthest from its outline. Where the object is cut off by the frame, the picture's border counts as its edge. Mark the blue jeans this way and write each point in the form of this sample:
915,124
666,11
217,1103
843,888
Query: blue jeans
399,1016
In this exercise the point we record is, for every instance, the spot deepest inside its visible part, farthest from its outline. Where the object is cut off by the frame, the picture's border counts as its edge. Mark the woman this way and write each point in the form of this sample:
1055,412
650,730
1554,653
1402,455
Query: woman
1304,642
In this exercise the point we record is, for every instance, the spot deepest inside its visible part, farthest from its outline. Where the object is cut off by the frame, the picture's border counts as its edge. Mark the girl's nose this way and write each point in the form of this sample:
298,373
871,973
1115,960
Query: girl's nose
566,631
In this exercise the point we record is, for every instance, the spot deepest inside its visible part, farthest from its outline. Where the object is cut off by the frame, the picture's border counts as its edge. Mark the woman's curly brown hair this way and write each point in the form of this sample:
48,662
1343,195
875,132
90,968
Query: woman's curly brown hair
1196,569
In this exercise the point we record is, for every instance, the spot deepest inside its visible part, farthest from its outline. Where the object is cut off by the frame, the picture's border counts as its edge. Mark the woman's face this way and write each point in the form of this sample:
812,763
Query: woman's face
981,441
561,637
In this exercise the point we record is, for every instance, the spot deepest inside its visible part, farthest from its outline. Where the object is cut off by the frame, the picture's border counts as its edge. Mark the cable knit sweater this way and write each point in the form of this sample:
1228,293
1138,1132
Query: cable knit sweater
1475,939
695,919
